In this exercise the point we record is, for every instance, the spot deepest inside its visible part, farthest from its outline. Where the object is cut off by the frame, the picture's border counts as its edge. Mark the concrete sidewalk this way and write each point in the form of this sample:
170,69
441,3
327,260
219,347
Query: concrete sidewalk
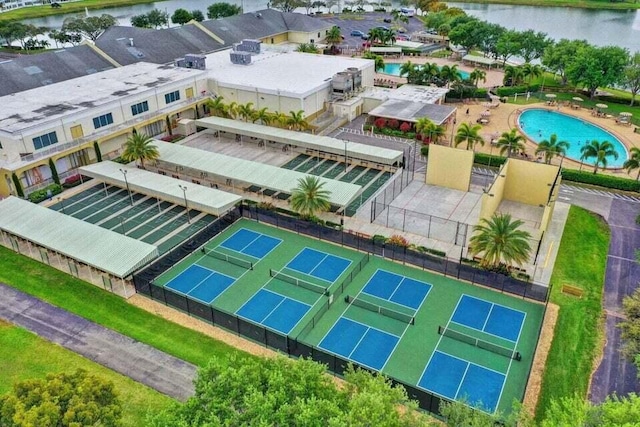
147,365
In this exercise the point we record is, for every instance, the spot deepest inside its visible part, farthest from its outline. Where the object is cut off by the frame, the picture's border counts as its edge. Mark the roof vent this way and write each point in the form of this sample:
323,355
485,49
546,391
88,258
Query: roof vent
130,41
259,15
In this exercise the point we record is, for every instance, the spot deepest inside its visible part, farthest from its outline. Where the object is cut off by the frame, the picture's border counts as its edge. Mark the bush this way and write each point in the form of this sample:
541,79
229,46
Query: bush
435,252
41,195
172,138
380,123
424,150
379,239
512,90
72,181
393,123
398,240
467,92
266,206
624,184
489,160
405,127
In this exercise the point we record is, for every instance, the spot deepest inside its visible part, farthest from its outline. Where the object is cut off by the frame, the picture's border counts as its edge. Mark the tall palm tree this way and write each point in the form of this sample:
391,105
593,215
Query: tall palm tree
138,147
633,162
297,121
280,119
599,150
468,134
377,59
429,71
375,35
309,197
232,109
307,48
449,74
512,75
246,111
217,106
511,142
530,71
552,148
476,75
334,36
499,240
263,115
407,68
425,127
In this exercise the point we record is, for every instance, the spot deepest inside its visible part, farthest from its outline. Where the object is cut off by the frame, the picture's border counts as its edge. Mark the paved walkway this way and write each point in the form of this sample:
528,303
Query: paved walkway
145,364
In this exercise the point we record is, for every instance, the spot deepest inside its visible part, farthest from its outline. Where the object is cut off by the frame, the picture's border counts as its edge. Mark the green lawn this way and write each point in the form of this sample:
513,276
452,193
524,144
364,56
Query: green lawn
77,6
92,303
581,262
24,355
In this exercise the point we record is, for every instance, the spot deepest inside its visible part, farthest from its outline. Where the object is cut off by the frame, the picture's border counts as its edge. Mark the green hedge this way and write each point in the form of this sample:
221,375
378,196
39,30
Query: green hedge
468,92
607,181
424,150
41,195
512,90
489,160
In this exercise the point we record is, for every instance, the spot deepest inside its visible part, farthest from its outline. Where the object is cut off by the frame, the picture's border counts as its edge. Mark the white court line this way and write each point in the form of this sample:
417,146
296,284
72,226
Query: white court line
358,343
455,396
197,284
484,332
369,326
245,246
495,303
406,328
510,362
487,319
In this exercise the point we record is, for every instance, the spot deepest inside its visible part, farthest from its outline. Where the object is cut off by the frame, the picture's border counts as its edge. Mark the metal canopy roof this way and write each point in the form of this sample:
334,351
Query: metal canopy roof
252,173
87,243
163,187
411,111
479,59
355,150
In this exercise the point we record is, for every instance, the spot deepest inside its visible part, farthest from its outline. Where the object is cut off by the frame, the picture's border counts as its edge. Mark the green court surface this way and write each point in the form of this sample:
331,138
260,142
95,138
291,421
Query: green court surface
397,347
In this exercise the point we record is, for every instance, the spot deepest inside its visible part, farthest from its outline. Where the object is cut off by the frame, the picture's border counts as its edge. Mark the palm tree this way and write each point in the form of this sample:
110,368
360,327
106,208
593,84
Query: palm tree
449,74
530,71
246,111
232,110
387,37
499,240
139,147
552,147
309,197
263,115
408,68
334,36
217,106
377,59
425,127
633,162
375,35
476,75
512,75
307,48
280,119
599,150
511,142
468,133
429,71
297,121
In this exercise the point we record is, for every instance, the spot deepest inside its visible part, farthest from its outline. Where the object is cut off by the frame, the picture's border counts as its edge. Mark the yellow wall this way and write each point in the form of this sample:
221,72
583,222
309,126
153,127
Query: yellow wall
529,182
493,197
449,167
279,38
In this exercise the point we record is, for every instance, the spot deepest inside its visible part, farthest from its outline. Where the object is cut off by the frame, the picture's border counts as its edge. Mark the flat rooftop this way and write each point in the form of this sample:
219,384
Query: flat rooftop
33,107
277,72
427,94
410,111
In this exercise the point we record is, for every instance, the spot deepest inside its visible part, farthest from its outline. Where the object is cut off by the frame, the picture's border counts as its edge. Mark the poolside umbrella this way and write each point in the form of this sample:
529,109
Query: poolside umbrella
626,114
603,106
577,99
551,95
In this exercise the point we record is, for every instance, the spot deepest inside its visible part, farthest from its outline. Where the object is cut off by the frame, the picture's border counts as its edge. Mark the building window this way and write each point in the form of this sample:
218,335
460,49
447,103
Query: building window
319,34
45,140
104,120
139,108
172,97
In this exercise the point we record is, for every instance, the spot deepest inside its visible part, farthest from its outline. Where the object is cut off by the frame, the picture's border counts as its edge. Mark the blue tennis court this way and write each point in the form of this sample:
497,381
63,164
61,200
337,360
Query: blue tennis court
319,264
455,378
360,343
201,283
397,288
274,310
251,243
485,316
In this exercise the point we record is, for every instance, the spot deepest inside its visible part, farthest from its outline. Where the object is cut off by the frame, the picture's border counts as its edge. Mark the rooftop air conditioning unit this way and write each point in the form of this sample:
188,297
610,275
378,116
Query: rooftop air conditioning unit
242,58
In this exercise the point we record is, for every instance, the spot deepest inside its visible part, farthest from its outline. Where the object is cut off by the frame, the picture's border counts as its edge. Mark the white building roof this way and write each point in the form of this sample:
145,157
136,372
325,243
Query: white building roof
246,171
30,108
322,143
426,94
291,74
87,243
199,197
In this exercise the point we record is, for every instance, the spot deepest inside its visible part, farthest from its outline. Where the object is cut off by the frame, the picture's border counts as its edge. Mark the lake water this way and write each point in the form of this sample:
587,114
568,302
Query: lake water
599,27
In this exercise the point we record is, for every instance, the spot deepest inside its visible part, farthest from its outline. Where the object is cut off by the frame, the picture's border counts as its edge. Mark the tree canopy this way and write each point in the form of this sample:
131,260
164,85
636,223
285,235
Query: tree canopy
90,27
593,67
286,5
76,399
222,10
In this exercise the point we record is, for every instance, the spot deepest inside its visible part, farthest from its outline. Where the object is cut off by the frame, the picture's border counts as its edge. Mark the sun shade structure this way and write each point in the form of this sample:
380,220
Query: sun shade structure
86,243
162,187
355,150
201,163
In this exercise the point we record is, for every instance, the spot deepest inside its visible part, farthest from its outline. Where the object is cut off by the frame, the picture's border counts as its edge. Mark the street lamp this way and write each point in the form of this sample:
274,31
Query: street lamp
61,201
122,225
346,165
186,203
124,172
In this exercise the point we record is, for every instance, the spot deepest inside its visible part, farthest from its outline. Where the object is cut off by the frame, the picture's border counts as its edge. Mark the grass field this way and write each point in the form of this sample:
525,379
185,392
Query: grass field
106,309
581,262
412,346
24,355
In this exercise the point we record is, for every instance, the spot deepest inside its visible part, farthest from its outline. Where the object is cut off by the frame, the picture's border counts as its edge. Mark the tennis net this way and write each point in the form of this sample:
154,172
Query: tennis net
228,258
480,343
367,305
298,282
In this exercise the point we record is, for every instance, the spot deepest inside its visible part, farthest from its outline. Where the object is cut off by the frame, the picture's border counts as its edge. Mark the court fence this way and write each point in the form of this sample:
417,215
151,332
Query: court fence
294,346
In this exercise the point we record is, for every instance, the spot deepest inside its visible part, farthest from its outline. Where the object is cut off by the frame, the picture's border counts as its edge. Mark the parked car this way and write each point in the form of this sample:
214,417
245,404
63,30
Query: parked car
357,33
382,28
387,20
402,37
364,37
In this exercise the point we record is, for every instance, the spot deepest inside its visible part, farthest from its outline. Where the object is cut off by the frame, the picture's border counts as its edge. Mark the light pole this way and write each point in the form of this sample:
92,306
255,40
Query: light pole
61,200
122,226
346,165
186,203
124,173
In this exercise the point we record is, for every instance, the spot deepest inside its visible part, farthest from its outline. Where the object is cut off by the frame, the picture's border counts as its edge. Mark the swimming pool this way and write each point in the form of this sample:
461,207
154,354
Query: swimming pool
539,124
393,69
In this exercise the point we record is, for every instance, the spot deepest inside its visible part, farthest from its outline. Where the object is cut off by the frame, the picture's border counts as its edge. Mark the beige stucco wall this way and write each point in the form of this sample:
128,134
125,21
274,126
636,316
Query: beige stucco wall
449,167
529,182
494,195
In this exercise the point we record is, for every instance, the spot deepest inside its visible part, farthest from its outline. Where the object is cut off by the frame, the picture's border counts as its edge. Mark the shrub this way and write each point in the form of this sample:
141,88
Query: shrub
172,138
405,127
398,240
380,123
266,206
467,92
72,181
435,252
424,150
393,123
41,195
17,184
379,239
607,181
489,160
